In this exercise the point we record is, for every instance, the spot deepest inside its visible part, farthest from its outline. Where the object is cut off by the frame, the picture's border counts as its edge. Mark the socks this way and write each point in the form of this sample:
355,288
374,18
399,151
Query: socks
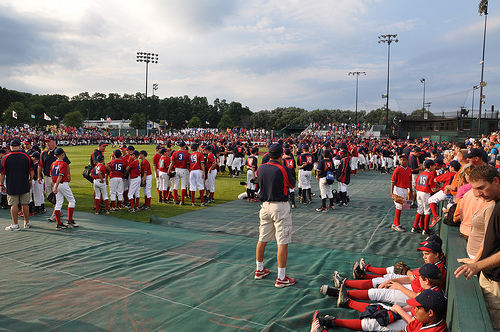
434,209
376,270
70,213
260,265
417,220
361,294
352,324
281,273
359,284
397,217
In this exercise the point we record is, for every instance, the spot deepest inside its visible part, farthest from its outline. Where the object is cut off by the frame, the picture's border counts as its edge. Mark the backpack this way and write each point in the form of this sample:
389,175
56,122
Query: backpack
330,177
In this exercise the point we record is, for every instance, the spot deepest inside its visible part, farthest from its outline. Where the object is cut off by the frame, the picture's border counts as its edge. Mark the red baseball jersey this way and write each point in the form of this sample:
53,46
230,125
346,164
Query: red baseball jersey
446,179
180,159
59,167
210,160
425,182
156,158
146,167
417,326
402,177
117,167
196,159
98,170
163,164
135,168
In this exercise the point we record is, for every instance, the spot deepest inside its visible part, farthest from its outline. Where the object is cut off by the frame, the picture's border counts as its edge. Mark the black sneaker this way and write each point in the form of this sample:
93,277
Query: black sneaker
321,209
145,207
72,223
343,298
329,291
357,272
61,226
338,279
131,210
294,206
416,230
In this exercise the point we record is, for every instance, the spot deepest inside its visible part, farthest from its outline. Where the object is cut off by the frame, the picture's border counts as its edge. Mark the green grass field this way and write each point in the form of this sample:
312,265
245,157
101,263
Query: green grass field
226,189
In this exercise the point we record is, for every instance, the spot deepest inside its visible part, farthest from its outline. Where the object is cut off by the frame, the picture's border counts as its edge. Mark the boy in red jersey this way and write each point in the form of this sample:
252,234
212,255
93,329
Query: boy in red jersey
179,162
133,171
251,166
211,166
446,180
425,185
156,159
100,184
59,171
115,180
400,186
197,174
163,178
147,180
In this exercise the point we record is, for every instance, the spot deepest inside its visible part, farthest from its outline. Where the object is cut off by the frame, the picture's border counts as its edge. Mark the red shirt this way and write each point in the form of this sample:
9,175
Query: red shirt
97,170
117,167
163,164
135,168
59,167
210,160
146,167
416,325
156,158
446,179
196,159
425,182
402,177
180,159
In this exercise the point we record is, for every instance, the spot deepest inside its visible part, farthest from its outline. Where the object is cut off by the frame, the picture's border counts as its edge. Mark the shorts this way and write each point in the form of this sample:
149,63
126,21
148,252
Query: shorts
275,222
23,199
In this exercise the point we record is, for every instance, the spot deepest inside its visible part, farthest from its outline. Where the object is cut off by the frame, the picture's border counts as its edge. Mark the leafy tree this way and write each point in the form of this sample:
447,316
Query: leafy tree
21,112
74,119
195,122
137,121
225,122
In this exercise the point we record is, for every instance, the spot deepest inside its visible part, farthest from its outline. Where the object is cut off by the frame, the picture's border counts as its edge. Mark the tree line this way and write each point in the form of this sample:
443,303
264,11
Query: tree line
174,112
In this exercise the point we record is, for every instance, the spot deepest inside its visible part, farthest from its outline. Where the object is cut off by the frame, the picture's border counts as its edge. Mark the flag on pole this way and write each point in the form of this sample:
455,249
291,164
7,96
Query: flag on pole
206,122
32,116
46,117
166,123
14,115
186,121
56,117
109,119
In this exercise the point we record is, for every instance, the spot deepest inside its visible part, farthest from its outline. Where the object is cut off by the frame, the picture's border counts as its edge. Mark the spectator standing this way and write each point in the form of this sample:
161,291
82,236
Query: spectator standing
17,171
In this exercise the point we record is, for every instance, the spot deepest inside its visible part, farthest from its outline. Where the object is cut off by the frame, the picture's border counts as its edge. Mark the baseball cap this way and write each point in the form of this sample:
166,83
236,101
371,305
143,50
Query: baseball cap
455,164
208,148
36,155
182,143
429,270
474,152
100,157
275,148
117,153
103,144
144,152
123,147
135,153
428,163
50,138
130,147
58,151
429,298
159,146
15,142
434,238
305,147
417,149
27,141
403,156
439,161
163,150
430,245
194,146
3,151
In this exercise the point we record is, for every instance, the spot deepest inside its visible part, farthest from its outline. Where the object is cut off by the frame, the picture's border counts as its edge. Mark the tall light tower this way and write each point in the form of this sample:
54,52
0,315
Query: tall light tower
422,80
474,88
357,73
387,39
147,58
483,9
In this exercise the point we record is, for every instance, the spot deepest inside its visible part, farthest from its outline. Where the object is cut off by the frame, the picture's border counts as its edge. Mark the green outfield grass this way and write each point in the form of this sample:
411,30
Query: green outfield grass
226,189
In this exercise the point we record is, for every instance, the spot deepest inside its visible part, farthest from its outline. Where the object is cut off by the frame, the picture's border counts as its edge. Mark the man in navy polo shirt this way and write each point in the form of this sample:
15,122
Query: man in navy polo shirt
275,180
17,171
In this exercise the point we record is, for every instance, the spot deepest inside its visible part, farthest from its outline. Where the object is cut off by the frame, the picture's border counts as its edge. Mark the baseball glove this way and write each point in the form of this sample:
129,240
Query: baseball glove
171,174
401,268
52,198
398,199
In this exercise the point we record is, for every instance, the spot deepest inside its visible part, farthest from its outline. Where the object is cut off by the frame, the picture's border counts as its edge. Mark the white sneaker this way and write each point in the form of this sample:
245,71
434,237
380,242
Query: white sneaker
27,225
52,217
13,227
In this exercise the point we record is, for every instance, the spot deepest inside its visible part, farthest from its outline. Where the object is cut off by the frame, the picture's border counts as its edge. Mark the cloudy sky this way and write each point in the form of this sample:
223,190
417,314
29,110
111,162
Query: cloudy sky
262,53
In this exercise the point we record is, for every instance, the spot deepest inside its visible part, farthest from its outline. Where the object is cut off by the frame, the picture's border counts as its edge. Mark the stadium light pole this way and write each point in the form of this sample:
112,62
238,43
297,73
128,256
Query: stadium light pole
357,73
474,88
388,39
483,9
422,80
147,58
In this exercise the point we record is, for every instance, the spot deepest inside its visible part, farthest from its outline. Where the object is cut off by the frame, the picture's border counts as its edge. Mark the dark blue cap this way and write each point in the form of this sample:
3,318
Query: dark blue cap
276,148
15,142
430,299
58,151
430,271
430,245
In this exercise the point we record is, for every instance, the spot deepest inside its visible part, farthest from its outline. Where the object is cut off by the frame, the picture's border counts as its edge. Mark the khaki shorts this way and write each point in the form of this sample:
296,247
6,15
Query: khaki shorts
491,293
48,184
275,222
24,199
